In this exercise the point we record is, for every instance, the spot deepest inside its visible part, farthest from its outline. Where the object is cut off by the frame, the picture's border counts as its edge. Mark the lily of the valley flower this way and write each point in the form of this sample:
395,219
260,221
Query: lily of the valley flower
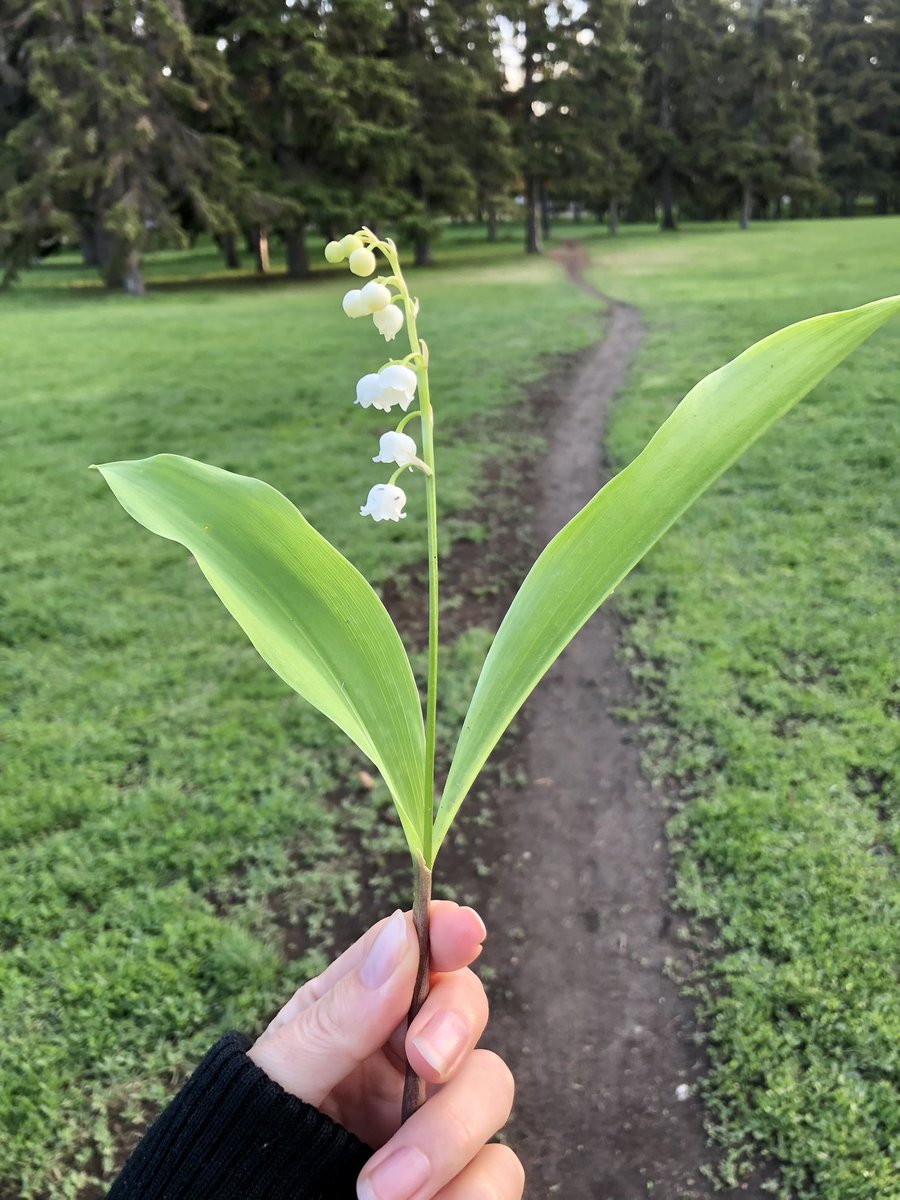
336,252
399,448
354,305
385,503
388,322
394,384
375,296
362,261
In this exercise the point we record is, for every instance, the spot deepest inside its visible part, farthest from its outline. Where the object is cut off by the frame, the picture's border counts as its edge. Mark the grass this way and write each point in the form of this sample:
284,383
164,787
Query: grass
762,632
159,786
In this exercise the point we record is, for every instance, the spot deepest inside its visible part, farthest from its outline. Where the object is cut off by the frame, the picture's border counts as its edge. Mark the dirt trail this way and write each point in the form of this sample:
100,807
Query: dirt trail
597,1036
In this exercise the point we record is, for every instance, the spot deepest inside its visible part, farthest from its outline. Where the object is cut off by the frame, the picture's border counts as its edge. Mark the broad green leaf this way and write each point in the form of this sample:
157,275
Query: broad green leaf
713,425
310,614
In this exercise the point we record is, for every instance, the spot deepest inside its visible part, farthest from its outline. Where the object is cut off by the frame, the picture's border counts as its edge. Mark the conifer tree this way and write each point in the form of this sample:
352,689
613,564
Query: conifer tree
322,114
773,144
856,80
108,149
680,47
601,94
446,51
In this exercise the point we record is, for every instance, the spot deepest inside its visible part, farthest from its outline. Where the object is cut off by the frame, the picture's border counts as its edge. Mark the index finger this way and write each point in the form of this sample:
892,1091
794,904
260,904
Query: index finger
456,937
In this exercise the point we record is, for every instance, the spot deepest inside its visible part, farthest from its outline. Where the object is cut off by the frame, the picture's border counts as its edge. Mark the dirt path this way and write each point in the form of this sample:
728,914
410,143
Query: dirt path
597,1036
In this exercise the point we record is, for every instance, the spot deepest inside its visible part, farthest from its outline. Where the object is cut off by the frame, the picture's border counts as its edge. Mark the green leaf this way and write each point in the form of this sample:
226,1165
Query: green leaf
310,614
713,426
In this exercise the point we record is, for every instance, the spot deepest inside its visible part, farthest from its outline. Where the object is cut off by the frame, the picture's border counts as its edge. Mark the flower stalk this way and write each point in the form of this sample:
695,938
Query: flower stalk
382,390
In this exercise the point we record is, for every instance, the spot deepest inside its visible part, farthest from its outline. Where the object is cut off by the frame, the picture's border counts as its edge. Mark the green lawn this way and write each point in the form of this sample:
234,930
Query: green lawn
158,785
763,633
154,772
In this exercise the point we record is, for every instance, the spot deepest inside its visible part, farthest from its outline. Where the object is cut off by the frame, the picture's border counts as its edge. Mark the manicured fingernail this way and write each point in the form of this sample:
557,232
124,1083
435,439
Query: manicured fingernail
442,1041
397,1178
386,953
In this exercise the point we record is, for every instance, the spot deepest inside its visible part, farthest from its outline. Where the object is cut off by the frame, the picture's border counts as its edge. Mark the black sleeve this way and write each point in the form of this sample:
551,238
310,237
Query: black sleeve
233,1134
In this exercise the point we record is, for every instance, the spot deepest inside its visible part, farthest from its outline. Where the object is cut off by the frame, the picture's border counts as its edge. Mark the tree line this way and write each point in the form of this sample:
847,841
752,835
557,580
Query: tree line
132,123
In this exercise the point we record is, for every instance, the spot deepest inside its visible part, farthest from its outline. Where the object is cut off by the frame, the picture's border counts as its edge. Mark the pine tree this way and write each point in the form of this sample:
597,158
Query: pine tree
601,99
322,115
772,149
446,51
109,149
533,131
856,80
680,51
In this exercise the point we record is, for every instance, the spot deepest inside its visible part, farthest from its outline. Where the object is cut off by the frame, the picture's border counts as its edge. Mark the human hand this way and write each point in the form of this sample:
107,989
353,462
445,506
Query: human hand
339,1042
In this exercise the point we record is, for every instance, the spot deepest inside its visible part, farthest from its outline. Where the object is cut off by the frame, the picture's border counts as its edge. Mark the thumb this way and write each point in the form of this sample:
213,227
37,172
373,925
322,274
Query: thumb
313,1052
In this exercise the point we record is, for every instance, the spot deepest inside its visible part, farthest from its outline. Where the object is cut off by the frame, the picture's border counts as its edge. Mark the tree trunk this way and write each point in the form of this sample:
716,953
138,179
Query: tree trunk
261,249
297,259
576,213
848,204
424,257
666,191
492,223
746,203
89,249
229,247
532,229
546,214
123,271
612,218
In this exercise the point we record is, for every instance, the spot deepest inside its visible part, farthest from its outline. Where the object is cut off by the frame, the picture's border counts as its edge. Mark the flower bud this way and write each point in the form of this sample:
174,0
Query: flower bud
362,261
353,306
367,390
398,448
388,322
385,503
348,244
333,252
376,296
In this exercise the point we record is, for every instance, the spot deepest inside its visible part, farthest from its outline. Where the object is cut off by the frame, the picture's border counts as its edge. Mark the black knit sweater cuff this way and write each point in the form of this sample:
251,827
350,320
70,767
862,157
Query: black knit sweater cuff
234,1134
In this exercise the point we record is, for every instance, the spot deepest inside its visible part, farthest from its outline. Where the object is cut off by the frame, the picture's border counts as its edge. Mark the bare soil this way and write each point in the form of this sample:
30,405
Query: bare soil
573,877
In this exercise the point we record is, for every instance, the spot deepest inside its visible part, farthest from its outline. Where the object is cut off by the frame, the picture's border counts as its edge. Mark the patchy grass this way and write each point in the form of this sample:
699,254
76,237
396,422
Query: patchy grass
763,635
159,786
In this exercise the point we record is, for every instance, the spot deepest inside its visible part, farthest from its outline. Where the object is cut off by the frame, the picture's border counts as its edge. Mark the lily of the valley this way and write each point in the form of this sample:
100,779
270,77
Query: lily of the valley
399,448
388,322
385,503
394,384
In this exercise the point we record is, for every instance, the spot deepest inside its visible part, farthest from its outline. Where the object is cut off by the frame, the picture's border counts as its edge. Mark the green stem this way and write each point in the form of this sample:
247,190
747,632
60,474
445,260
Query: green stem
413,1086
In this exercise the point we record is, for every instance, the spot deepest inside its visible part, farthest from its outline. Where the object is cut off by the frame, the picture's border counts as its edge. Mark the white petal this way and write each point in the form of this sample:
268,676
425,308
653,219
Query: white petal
348,244
362,261
388,322
396,447
353,306
367,390
375,296
385,503
396,375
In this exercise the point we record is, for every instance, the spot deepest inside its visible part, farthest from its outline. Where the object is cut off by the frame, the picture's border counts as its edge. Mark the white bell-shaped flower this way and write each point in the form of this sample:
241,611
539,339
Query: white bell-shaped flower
362,261
398,448
394,384
353,304
385,503
403,378
368,390
388,322
375,296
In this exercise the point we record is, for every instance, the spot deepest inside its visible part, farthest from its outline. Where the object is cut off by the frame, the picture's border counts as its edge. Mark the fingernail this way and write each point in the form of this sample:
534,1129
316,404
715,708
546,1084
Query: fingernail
397,1178
442,1041
479,920
386,953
